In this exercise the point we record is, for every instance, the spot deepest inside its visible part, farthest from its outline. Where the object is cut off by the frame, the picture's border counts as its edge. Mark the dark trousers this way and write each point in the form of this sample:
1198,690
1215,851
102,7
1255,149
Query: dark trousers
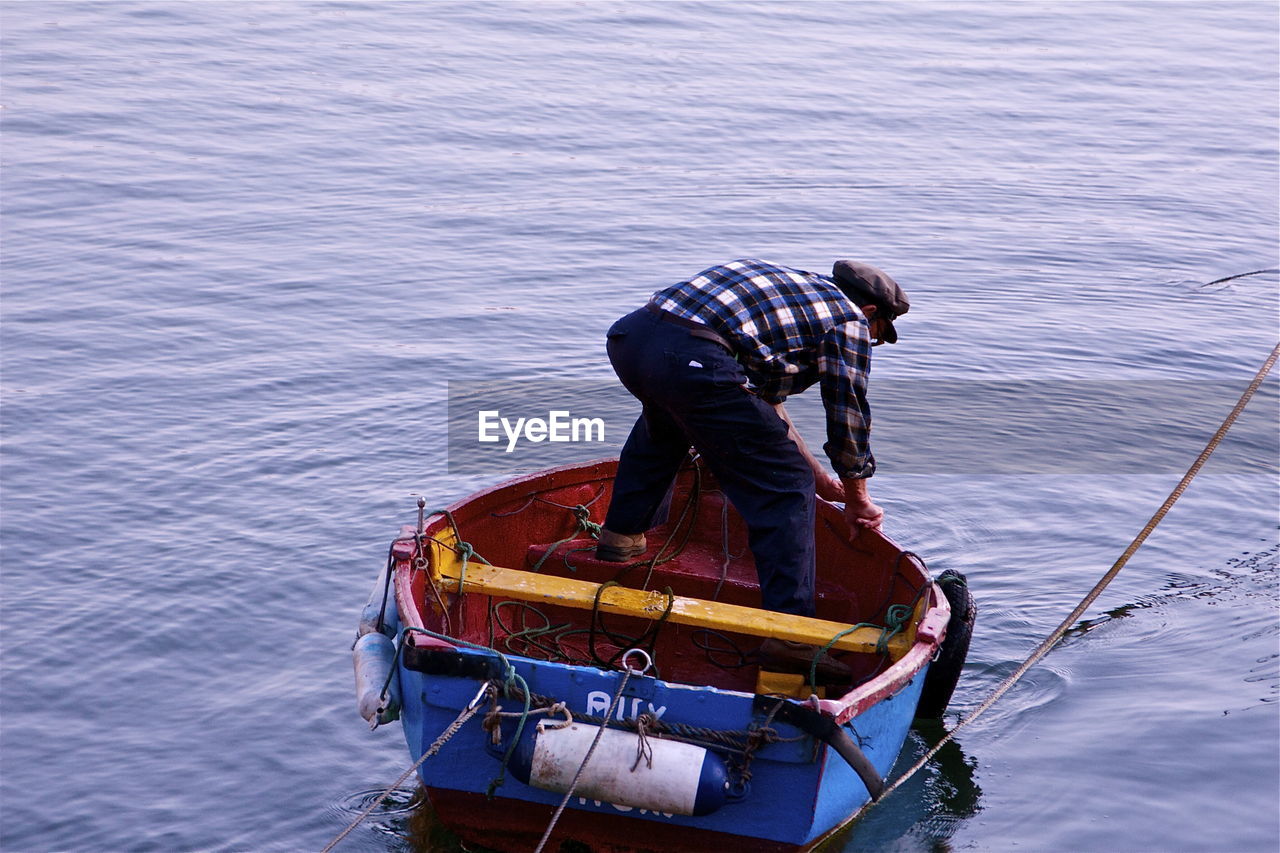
693,394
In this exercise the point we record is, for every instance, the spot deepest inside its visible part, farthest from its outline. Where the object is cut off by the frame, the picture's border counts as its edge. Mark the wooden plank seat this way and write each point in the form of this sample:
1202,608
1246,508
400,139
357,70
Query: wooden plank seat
482,579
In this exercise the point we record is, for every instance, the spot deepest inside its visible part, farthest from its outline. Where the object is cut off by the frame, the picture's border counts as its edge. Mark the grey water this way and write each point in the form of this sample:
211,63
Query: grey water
250,249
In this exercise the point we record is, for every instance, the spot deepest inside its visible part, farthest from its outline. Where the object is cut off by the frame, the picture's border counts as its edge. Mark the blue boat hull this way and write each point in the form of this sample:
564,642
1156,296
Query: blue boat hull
800,789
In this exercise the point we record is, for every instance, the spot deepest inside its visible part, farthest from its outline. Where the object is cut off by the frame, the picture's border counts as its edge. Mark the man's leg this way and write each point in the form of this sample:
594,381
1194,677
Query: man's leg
638,346
771,485
646,470
760,468
693,393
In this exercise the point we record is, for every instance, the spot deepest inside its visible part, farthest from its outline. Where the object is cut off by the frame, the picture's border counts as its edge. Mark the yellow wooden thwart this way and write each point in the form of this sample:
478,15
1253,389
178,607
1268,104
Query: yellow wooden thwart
483,579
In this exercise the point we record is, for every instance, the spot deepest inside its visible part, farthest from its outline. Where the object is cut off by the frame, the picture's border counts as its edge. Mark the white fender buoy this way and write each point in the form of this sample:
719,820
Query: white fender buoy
671,777
374,658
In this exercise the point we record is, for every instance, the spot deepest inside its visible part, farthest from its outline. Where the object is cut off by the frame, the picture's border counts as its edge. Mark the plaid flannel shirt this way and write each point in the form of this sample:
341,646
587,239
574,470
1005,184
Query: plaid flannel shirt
790,328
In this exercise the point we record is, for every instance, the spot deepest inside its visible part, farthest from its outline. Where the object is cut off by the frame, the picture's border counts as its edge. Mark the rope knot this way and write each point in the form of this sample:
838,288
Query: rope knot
645,724
585,523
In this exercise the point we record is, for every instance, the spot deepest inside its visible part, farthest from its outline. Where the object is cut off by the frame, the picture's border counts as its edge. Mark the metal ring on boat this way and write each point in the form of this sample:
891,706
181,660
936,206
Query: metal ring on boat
648,661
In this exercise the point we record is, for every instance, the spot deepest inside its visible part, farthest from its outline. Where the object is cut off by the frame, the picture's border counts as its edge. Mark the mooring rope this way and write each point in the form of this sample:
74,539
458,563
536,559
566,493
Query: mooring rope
467,713
1093,594
1237,275
617,697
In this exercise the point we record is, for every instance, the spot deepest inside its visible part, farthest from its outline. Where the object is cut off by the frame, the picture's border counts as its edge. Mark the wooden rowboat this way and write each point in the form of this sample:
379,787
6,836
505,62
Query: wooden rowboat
637,686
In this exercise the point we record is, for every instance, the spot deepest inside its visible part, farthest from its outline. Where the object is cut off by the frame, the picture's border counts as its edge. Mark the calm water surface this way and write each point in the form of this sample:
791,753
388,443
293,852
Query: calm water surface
248,247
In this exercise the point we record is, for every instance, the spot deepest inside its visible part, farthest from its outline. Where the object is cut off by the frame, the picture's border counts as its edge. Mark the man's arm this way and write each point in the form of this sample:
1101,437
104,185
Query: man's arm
859,510
844,361
828,487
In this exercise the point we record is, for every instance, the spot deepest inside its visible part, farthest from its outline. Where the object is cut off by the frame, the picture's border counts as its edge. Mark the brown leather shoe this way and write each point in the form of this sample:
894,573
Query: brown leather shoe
786,656
619,547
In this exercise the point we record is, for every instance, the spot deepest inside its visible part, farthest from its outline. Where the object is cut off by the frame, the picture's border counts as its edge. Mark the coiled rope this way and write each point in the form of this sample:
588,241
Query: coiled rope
1067,623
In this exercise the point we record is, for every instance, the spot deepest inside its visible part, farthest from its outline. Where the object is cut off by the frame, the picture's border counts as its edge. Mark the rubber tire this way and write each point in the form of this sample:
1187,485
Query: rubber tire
944,672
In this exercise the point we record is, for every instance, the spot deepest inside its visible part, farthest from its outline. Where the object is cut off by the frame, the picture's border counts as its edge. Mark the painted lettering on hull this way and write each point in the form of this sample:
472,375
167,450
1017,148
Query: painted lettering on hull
582,801
629,708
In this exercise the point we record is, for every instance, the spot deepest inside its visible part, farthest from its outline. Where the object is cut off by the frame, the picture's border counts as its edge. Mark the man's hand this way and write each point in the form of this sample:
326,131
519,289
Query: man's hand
859,511
829,488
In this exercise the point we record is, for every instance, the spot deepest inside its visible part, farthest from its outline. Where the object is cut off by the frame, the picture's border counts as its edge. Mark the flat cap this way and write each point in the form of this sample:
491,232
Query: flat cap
867,285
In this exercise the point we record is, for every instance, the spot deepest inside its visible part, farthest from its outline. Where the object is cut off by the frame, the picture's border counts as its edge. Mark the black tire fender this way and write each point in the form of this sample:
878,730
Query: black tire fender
944,672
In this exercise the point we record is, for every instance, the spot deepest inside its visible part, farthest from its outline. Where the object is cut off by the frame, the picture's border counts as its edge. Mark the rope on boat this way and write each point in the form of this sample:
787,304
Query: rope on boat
896,620
647,641
512,683
584,525
617,697
467,713
420,563
729,740
536,498
1053,638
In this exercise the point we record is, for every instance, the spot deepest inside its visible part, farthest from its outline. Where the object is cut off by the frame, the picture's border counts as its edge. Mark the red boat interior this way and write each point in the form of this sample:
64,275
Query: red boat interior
542,525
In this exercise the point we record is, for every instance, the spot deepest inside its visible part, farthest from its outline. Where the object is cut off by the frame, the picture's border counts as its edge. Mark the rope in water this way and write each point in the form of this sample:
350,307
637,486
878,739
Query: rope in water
1052,639
1237,275
467,713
